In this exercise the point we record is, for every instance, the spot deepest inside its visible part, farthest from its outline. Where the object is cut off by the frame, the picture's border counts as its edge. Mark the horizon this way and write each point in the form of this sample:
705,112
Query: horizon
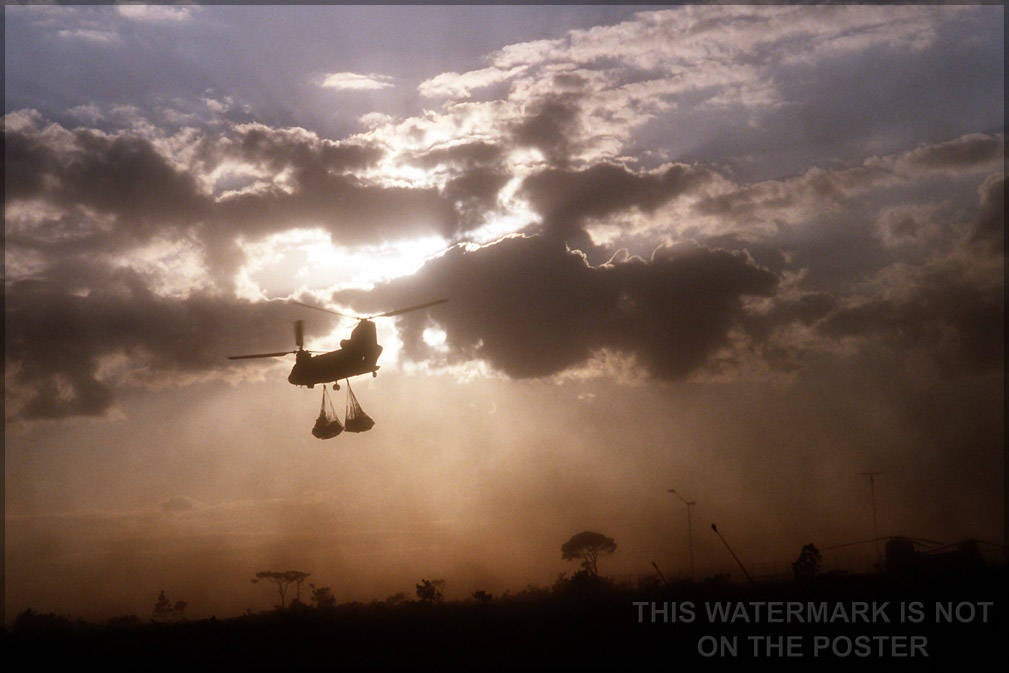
712,578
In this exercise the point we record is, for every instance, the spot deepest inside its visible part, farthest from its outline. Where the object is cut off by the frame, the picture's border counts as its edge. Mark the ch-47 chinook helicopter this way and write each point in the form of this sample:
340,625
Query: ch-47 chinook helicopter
356,355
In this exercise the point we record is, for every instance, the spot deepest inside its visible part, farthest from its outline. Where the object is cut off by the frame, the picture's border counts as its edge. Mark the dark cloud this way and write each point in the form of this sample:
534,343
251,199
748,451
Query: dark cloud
567,80
905,227
766,252
963,152
680,306
128,176
474,193
528,305
321,190
566,199
532,307
947,318
989,227
296,149
28,159
477,154
949,310
603,189
120,175
352,211
552,125
58,333
764,328
848,189
480,186
815,189
137,189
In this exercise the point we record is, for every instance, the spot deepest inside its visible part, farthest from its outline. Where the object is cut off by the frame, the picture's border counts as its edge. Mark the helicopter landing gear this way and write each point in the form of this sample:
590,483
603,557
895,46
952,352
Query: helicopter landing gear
336,386
374,375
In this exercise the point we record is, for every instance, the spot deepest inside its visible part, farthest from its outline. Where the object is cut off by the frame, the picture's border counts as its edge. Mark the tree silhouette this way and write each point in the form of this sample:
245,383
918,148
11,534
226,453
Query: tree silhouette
283,580
163,606
30,621
808,564
397,598
165,610
430,591
322,597
588,546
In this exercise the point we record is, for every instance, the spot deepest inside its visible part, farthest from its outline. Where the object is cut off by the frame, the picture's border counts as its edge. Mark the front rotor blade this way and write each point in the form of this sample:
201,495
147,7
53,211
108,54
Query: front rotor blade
407,309
260,355
319,308
299,333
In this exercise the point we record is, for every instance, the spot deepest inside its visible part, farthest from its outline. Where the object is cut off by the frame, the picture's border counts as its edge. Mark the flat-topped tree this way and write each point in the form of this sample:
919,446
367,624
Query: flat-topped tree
283,580
588,546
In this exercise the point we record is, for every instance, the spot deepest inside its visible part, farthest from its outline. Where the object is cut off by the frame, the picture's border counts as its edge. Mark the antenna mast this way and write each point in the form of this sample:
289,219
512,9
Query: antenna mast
875,523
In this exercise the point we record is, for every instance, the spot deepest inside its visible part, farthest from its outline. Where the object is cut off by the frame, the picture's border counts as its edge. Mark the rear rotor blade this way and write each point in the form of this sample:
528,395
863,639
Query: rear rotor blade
299,333
408,309
260,355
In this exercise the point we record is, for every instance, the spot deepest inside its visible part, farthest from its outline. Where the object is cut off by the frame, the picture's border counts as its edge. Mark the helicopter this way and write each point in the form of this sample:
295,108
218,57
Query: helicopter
356,356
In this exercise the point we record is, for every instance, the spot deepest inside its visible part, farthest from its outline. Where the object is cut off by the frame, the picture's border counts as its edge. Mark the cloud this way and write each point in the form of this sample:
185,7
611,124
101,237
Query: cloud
349,81
454,85
972,152
97,36
63,332
118,191
80,204
474,194
375,119
475,154
552,126
945,315
914,224
760,207
122,174
989,227
531,307
548,139
567,199
711,50
678,82
156,13
948,324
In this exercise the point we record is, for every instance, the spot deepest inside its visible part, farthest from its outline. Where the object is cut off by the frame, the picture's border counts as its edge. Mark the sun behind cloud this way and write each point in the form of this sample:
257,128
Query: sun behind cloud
301,260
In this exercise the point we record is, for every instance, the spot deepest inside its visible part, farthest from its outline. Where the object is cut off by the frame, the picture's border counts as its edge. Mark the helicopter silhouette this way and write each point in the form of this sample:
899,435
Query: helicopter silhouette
356,356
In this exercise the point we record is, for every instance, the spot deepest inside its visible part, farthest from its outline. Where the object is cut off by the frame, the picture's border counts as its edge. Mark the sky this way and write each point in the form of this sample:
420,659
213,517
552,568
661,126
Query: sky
749,253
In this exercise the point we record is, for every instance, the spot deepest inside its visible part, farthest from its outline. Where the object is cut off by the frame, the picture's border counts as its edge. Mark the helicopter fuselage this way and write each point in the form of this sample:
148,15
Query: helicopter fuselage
357,355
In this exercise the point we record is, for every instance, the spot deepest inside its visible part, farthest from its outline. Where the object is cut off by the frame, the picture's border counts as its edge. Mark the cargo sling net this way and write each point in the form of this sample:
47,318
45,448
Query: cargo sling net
356,420
327,425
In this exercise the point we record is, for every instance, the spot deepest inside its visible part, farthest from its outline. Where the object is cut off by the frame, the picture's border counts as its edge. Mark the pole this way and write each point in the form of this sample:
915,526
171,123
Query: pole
690,539
690,530
738,562
875,524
